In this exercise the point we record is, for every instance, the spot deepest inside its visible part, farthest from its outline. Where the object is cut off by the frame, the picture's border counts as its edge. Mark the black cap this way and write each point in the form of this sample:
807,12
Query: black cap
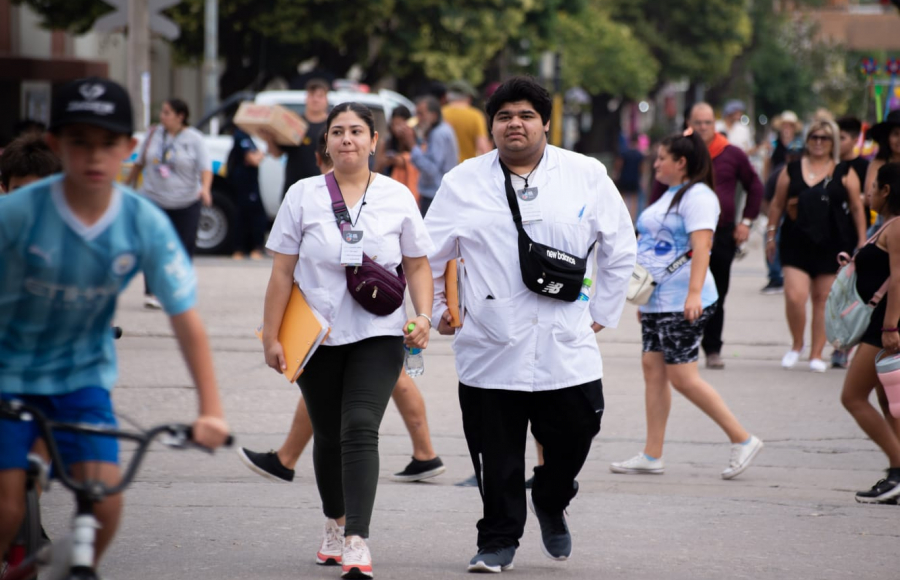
92,101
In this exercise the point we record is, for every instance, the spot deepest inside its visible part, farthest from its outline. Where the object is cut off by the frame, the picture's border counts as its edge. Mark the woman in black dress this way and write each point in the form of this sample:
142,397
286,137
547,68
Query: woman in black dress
875,263
823,216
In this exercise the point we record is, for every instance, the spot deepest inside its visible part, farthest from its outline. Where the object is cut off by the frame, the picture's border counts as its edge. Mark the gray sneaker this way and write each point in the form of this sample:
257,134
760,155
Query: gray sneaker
493,560
556,541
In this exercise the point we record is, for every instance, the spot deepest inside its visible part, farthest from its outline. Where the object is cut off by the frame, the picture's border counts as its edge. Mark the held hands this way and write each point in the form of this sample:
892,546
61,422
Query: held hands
693,307
275,356
418,338
741,233
890,341
210,431
444,327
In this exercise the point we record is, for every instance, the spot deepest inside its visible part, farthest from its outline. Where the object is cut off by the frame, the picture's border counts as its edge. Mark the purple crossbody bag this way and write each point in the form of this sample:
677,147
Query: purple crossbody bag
376,288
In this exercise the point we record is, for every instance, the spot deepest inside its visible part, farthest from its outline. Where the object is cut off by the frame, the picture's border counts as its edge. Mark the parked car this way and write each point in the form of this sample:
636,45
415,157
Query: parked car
214,236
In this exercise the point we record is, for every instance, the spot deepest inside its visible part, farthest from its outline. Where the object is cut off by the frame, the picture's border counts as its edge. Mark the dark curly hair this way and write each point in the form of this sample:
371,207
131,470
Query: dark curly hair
520,89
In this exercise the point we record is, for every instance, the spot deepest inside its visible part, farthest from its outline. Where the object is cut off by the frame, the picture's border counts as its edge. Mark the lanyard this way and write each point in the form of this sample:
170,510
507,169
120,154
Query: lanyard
361,206
164,149
529,173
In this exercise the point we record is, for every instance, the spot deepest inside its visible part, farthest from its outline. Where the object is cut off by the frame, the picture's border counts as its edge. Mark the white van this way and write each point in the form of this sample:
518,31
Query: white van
216,222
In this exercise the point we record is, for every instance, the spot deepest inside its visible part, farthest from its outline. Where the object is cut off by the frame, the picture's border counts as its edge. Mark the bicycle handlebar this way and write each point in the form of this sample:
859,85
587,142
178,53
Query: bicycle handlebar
179,435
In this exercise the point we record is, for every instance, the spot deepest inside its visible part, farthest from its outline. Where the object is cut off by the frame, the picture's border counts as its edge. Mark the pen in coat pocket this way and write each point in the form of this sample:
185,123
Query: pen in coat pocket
581,213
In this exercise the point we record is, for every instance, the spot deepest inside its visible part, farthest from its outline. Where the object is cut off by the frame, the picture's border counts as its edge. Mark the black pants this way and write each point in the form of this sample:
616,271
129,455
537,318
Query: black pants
424,204
185,220
720,261
347,389
495,422
250,225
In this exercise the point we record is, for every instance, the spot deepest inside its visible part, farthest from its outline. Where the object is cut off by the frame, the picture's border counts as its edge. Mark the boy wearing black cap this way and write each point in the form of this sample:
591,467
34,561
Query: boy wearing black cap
69,245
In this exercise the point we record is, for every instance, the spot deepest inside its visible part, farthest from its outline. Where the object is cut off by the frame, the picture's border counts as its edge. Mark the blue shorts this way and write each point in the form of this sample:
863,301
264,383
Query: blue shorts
90,405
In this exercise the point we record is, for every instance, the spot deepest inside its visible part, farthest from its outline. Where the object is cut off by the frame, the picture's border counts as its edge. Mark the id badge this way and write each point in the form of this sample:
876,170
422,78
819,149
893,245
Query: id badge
164,171
351,248
529,206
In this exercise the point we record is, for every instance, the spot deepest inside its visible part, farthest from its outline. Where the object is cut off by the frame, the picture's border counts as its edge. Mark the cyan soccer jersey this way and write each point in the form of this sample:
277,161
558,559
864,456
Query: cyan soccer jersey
60,279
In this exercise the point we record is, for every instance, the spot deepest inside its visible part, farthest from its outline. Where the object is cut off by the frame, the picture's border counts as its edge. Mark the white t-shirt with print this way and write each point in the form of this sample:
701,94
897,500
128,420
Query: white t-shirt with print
664,236
305,227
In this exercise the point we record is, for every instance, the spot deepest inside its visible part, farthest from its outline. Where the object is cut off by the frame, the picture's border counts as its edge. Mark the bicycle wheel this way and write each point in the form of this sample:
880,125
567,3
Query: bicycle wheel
28,540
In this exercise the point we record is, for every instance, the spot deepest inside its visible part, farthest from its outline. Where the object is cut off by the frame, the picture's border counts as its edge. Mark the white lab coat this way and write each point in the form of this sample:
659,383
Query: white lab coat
517,340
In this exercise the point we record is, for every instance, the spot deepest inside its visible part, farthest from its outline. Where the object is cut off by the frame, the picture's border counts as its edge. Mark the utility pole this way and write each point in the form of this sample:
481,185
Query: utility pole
139,61
210,62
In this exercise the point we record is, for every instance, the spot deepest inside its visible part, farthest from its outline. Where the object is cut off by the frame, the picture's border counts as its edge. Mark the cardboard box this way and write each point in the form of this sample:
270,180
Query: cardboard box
286,126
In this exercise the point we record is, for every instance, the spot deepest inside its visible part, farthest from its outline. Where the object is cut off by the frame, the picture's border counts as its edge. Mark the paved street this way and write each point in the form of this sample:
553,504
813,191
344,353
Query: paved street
791,515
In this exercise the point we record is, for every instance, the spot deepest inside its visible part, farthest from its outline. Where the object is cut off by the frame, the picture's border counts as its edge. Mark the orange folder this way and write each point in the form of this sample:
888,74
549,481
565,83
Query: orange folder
303,329
453,278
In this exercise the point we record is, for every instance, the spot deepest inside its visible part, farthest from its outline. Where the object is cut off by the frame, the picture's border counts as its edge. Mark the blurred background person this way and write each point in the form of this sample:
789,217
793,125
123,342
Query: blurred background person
243,173
812,234
27,159
301,159
875,263
887,135
731,126
787,147
395,160
469,123
177,175
629,170
434,153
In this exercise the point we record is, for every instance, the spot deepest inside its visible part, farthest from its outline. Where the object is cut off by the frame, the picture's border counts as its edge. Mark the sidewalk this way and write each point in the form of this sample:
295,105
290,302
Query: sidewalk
791,515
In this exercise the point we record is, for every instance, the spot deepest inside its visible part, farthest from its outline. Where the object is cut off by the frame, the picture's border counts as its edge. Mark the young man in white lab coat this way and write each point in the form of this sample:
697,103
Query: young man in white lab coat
522,357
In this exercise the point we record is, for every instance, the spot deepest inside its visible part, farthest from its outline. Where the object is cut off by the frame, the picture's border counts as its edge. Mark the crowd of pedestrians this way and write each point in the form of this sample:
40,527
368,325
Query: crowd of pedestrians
530,221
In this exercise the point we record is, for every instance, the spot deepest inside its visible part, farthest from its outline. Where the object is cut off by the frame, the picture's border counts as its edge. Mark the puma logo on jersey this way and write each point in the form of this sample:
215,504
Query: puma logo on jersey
553,288
37,251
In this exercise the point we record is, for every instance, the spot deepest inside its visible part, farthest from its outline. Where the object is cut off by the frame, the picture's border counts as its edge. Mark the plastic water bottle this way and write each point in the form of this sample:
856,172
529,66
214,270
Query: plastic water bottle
585,290
415,360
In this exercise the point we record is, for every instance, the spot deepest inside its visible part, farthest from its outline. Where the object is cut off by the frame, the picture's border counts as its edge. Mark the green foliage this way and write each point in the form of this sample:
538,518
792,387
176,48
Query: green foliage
603,56
73,15
693,39
793,70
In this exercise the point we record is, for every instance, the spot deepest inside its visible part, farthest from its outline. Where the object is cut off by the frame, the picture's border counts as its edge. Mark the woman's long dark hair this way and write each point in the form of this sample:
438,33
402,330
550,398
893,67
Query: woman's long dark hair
699,164
889,175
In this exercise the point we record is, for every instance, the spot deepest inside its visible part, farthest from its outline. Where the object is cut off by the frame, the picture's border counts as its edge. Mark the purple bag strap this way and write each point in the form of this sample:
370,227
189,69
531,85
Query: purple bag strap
879,294
341,213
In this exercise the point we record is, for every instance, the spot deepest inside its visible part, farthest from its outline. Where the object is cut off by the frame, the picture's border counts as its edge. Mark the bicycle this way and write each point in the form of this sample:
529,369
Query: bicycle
72,557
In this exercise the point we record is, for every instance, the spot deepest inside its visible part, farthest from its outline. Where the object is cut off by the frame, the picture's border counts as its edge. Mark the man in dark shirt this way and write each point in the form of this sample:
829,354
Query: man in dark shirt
301,159
730,166
850,128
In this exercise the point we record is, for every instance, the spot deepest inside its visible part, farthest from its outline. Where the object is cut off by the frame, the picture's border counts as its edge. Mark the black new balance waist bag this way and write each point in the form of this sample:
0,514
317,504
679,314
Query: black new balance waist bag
546,271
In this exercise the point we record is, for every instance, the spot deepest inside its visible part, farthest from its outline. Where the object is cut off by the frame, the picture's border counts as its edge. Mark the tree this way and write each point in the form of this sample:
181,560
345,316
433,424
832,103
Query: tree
77,16
690,39
606,59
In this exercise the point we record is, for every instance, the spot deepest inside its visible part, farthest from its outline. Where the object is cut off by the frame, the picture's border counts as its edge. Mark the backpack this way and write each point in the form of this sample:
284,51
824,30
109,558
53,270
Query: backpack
846,315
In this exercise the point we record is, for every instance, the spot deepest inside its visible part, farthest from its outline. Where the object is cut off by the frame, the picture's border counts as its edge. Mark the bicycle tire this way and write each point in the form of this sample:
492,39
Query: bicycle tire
28,540
30,532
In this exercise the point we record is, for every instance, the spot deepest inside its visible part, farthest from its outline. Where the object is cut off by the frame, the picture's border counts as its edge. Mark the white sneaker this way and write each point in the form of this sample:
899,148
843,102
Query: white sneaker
152,303
790,359
332,545
817,365
640,463
741,456
356,561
